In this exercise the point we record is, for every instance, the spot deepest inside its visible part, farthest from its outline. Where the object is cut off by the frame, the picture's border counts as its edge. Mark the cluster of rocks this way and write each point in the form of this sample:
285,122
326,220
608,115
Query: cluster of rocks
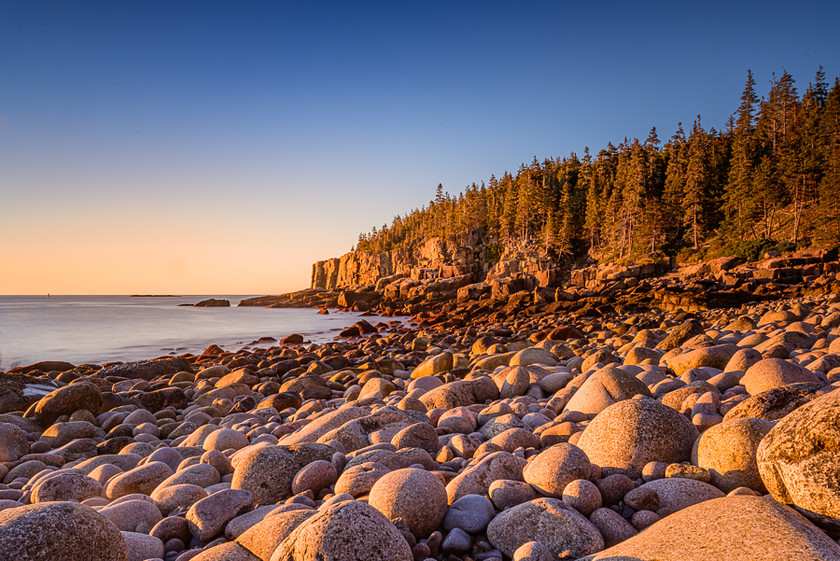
458,283
638,435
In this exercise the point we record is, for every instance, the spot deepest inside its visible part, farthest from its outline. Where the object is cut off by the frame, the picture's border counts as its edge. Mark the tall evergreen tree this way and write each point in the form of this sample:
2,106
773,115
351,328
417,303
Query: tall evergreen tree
830,182
593,202
696,182
739,196
674,189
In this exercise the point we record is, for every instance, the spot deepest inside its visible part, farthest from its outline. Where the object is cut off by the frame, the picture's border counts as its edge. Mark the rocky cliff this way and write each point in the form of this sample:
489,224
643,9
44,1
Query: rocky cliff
435,259
439,269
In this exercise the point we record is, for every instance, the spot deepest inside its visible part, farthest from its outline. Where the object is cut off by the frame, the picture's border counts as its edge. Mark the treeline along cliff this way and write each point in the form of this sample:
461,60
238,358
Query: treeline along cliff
770,178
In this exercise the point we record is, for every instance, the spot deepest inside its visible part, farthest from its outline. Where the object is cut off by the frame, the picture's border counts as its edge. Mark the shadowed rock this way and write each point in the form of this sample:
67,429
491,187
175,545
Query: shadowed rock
737,528
148,369
59,531
345,531
798,460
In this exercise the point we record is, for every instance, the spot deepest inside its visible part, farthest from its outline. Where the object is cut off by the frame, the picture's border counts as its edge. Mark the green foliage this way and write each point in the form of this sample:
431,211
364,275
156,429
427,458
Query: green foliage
755,249
494,253
750,250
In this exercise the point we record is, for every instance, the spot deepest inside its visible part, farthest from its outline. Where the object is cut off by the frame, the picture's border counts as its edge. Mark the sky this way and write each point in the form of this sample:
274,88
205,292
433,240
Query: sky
203,147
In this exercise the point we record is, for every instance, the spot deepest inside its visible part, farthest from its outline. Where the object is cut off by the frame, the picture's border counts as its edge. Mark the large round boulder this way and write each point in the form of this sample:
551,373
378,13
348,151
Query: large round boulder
728,451
477,478
798,459
344,531
142,479
533,355
740,528
512,381
627,435
67,400
603,388
778,402
14,442
324,423
207,517
358,480
415,495
470,513
552,469
552,522
680,334
772,373
59,531
262,538
435,364
670,494
65,485
460,393
267,471
716,357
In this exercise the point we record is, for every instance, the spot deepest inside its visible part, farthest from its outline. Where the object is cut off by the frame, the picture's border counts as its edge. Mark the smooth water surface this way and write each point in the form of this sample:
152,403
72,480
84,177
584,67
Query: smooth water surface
99,329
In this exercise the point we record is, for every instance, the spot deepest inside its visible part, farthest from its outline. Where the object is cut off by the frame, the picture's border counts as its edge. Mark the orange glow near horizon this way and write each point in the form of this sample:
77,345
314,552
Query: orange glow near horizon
147,254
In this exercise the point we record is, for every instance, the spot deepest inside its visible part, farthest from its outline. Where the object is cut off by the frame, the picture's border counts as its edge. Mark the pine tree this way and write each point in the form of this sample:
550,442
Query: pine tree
674,188
593,203
635,194
830,183
696,182
510,206
775,128
739,195
810,156
572,206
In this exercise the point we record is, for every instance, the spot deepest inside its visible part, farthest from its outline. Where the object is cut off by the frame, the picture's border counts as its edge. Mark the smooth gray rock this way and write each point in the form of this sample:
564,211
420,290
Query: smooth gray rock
470,513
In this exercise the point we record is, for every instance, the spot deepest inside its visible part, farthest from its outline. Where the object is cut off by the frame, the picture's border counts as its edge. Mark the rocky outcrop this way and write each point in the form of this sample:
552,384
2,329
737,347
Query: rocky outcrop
308,298
431,262
598,277
401,281
441,277
213,303
18,392
434,259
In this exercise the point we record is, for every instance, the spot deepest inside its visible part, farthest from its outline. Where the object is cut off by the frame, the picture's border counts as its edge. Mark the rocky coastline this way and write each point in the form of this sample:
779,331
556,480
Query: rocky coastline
458,282
532,414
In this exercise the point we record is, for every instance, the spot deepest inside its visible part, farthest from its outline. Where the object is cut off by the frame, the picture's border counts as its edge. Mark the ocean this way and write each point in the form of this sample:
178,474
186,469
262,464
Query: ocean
99,329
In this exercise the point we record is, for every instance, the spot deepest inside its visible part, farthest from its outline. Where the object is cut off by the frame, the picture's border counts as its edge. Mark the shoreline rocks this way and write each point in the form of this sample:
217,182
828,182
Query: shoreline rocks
517,433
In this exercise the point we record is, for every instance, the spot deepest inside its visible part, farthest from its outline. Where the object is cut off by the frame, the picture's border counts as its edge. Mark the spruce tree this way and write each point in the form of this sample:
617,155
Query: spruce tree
830,182
739,197
696,182
676,154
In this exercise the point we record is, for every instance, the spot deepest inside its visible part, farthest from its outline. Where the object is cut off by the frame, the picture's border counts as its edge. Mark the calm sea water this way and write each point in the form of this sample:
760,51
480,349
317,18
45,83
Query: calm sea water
97,329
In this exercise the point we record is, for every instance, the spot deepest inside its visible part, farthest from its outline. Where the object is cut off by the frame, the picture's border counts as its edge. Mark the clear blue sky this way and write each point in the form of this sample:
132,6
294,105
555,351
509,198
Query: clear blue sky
222,147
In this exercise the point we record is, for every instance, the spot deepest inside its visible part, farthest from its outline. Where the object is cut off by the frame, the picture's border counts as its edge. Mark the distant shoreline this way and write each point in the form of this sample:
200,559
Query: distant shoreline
154,296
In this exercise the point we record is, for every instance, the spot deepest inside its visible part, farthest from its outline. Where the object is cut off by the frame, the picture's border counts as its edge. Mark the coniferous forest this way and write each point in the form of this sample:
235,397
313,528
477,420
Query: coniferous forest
769,179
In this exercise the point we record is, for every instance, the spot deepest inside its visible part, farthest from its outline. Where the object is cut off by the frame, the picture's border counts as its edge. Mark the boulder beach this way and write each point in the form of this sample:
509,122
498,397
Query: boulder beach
640,434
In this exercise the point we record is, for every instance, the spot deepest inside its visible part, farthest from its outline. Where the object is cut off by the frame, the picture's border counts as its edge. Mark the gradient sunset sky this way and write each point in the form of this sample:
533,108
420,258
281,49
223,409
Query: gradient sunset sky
223,147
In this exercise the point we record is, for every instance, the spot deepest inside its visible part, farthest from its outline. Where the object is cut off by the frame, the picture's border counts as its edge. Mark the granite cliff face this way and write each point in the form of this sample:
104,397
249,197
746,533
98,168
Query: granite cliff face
435,259
444,274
